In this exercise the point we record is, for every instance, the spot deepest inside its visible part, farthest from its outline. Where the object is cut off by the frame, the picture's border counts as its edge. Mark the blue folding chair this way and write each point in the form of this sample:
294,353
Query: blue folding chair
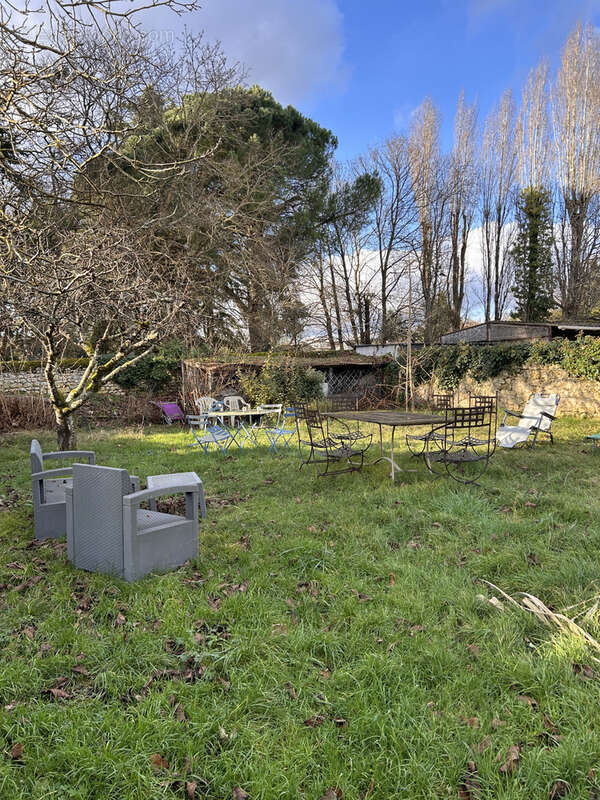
207,432
283,432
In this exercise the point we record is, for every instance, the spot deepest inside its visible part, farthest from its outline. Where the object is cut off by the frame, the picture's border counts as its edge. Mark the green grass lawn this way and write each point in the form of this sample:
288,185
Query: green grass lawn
330,636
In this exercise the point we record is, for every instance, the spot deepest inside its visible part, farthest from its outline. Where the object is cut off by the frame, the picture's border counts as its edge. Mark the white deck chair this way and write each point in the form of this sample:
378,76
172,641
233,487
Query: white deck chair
536,418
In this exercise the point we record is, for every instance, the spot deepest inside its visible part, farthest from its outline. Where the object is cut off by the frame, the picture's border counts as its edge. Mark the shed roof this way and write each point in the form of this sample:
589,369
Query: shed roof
317,361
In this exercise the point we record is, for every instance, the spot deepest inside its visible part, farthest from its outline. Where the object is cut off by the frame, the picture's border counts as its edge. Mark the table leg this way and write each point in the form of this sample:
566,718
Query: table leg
380,441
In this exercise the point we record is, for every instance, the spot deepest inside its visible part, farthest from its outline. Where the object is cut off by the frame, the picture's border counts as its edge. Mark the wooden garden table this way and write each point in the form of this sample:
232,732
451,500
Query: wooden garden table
391,419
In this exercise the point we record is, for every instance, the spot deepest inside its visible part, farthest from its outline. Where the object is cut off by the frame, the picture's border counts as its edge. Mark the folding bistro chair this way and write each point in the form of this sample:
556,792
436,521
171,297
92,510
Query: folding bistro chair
284,430
207,432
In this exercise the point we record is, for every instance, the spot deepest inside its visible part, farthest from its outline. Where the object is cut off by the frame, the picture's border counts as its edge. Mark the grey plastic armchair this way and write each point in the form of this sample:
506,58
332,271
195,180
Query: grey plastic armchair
107,531
48,489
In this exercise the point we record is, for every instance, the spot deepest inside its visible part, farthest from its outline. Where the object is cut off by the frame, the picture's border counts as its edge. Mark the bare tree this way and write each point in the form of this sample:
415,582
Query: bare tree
576,121
428,169
533,140
462,179
394,222
496,190
73,273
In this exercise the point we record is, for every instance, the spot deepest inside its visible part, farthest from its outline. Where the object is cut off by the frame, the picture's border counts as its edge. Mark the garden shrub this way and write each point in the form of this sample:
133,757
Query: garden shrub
281,382
581,358
155,371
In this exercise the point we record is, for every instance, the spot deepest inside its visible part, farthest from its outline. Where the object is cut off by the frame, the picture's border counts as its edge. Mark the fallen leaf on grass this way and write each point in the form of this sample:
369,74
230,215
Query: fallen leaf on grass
548,724
474,649
484,744
81,670
414,544
533,560
528,701
468,788
180,714
472,722
239,793
16,751
28,583
584,670
314,722
214,602
29,632
279,629
511,760
190,789
335,793
362,598
290,690
498,723
158,762
119,620
559,788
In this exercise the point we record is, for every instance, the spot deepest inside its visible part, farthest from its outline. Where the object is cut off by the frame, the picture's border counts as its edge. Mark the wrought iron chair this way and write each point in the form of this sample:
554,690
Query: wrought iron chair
463,444
342,403
330,449
416,442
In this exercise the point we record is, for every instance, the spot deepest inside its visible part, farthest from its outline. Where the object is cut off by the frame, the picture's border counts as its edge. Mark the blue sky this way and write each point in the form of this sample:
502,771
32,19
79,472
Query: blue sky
361,68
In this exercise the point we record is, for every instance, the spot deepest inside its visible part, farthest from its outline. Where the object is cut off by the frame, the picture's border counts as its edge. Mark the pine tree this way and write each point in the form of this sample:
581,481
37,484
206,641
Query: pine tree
532,253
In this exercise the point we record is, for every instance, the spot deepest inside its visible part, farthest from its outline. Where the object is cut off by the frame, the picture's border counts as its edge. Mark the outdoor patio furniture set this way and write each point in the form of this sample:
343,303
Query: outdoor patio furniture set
112,526
100,509
232,421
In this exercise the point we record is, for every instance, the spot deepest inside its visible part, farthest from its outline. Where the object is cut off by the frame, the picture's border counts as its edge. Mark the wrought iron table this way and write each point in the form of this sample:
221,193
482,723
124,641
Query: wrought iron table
391,419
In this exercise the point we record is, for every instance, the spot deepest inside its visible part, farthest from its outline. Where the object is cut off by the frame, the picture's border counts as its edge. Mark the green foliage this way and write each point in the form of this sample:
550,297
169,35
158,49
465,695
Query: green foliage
532,252
543,352
452,363
284,382
581,358
153,372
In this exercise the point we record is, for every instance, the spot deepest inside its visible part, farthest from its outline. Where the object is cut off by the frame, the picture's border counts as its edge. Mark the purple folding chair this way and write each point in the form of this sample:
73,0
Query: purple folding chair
171,412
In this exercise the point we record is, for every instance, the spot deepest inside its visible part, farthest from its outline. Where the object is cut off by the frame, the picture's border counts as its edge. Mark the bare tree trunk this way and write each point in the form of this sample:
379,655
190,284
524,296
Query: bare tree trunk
65,431
336,304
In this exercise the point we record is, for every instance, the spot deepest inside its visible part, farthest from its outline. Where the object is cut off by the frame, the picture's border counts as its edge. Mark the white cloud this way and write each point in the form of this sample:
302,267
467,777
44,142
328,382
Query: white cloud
294,48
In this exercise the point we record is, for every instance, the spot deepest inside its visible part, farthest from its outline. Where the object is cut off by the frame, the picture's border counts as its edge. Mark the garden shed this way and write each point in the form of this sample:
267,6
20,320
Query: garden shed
496,332
343,373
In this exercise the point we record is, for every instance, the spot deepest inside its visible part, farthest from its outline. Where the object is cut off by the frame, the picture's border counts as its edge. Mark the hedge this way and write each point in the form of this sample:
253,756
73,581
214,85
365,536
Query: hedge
579,357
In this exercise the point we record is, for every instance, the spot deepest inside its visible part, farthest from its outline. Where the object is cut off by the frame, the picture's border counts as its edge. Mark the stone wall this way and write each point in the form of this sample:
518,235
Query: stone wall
35,383
577,397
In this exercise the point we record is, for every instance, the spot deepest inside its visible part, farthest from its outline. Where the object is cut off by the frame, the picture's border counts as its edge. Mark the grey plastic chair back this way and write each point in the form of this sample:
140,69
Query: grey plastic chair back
107,531
97,518
35,456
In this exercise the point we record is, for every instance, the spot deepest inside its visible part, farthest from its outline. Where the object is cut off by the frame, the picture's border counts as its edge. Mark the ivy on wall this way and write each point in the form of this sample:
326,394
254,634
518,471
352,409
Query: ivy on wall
580,358
450,364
